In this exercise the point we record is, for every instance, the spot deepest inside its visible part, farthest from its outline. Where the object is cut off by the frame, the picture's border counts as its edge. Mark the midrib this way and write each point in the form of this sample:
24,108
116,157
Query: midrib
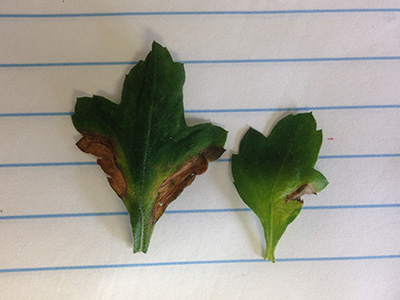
146,149
271,236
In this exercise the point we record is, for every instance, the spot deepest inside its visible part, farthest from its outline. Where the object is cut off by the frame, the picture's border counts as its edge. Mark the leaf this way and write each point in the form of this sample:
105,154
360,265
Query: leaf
272,173
144,144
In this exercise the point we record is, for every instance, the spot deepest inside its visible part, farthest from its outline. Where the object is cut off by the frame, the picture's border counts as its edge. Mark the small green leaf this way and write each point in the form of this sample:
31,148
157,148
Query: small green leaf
144,144
272,173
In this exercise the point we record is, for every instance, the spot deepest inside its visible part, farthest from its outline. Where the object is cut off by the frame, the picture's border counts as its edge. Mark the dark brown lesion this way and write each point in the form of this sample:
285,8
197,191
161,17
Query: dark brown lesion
103,148
302,190
213,153
173,186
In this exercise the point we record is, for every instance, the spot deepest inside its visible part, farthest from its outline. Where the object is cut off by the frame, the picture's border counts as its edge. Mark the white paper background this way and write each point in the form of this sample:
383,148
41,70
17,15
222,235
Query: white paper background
51,247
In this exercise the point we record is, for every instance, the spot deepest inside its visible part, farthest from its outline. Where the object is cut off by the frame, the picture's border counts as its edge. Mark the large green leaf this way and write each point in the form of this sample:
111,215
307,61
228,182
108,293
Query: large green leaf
144,144
271,174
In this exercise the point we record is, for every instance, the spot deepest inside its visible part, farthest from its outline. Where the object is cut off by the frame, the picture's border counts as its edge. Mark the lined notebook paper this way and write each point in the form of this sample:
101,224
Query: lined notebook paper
66,235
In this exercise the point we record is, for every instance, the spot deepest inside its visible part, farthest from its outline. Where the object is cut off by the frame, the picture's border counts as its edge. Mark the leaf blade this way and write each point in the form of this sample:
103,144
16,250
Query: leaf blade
149,139
269,171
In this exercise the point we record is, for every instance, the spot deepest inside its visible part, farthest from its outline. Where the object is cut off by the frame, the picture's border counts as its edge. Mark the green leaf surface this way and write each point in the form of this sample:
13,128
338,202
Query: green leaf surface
272,173
144,144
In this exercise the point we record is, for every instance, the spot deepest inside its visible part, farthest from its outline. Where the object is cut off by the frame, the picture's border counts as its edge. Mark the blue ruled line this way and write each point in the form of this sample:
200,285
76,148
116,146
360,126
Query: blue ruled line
71,215
80,163
360,156
382,155
202,211
199,13
233,110
68,64
49,164
216,61
197,262
304,108
289,60
36,114
191,211
359,206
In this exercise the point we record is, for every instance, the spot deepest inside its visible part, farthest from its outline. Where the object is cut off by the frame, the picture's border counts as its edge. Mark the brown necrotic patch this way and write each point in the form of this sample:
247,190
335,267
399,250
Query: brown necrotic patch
173,186
300,191
103,148
213,153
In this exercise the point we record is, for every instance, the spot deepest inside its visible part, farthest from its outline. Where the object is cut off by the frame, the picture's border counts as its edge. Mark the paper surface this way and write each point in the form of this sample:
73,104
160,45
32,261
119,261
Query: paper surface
65,234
